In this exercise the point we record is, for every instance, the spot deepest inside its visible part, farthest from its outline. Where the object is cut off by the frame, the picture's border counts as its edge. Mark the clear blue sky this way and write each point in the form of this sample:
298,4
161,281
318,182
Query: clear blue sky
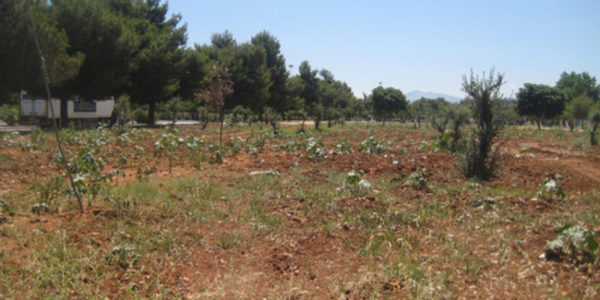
414,45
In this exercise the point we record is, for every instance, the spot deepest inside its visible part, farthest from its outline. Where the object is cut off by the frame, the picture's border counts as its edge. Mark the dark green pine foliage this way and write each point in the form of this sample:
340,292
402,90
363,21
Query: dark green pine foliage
278,97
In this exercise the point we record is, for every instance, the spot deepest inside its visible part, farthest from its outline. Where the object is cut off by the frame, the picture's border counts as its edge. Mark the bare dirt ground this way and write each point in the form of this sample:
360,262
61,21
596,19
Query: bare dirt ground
218,232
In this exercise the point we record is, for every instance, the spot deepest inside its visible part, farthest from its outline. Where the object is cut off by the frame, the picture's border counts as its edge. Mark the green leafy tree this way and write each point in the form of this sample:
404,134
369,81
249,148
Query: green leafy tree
158,59
577,84
540,102
327,98
194,68
223,40
508,111
222,49
387,102
20,66
248,64
275,63
310,92
577,109
427,109
359,108
251,77
295,87
108,42
417,111
334,95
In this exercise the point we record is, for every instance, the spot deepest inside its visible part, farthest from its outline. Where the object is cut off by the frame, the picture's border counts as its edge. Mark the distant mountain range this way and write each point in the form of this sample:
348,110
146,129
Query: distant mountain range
416,95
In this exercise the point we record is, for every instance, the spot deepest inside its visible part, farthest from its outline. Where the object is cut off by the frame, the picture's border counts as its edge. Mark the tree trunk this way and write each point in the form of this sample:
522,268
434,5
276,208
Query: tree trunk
539,124
593,140
151,113
63,114
571,125
174,113
275,128
221,119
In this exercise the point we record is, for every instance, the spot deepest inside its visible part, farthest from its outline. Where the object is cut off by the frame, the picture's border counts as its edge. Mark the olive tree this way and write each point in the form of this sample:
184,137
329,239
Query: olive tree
577,109
479,159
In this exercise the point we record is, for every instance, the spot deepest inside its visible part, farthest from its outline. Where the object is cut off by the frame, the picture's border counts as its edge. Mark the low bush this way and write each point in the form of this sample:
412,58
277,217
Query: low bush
574,244
9,114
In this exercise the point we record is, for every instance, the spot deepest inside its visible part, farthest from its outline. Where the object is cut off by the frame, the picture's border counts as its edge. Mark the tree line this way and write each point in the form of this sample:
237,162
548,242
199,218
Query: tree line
101,48
574,99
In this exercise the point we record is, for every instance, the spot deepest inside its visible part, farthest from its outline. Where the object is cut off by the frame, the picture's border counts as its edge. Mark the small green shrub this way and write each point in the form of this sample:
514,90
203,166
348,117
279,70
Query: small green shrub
417,179
6,208
88,174
355,184
140,115
229,241
486,203
372,146
573,243
271,117
342,147
9,114
143,171
169,144
315,151
69,136
47,190
6,161
235,145
551,190
39,139
123,256
290,145
40,208
216,156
